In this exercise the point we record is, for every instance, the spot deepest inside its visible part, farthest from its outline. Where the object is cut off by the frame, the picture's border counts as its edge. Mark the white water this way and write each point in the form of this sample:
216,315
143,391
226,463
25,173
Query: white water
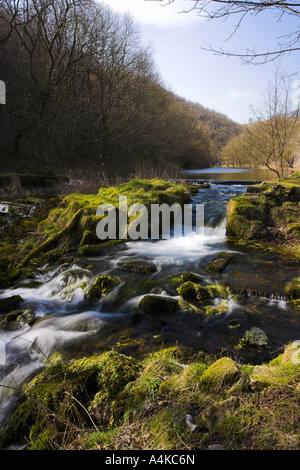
181,249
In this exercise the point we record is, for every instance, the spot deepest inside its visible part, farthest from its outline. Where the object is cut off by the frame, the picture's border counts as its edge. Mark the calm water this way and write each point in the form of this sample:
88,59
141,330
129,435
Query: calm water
229,174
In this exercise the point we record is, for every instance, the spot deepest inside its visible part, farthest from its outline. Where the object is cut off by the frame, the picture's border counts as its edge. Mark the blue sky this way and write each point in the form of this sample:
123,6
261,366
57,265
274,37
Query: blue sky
217,82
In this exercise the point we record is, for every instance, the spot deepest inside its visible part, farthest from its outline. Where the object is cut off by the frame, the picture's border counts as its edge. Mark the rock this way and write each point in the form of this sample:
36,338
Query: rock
216,413
139,266
224,371
255,338
156,304
190,422
219,264
101,285
28,317
192,292
192,277
8,304
292,289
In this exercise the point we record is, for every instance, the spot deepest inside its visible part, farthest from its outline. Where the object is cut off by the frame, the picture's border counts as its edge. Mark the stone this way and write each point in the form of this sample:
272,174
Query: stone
255,338
216,413
8,304
219,263
156,304
139,266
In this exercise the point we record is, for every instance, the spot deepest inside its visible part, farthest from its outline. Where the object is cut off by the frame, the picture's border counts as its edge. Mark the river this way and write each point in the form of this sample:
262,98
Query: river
74,326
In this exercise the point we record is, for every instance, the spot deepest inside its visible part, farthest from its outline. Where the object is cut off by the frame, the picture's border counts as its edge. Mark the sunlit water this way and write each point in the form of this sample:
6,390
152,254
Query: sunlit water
71,324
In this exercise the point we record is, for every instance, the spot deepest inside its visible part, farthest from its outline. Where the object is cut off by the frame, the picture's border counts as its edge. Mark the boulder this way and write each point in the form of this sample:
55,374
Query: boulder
255,338
139,266
156,304
101,285
8,304
218,412
224,371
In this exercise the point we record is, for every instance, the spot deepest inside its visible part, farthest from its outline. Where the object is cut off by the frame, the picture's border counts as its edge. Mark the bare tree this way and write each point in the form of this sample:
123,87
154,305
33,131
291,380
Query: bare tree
240,10
271,140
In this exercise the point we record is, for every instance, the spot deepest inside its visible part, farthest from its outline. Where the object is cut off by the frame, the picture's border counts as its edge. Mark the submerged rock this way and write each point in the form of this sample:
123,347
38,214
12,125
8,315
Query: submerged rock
219,263
139,266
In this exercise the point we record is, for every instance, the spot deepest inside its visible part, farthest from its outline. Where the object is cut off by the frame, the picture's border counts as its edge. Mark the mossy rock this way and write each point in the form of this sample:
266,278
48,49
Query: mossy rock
224,371
8,304
292,289
192,277
219,263
254,338
194,293
139,266
157,304
66,391
101,285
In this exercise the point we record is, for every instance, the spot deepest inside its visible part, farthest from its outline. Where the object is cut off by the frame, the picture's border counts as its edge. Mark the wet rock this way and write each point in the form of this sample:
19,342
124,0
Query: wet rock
255,338
192,277
102,285
194,293
10,303
219,263
139,266
156,304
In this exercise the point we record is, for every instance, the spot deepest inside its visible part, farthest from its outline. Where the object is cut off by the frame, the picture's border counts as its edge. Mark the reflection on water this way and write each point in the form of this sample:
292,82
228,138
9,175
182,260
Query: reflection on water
229,174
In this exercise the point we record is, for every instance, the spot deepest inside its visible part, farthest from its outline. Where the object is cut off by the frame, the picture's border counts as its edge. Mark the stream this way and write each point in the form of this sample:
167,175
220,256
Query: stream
70,324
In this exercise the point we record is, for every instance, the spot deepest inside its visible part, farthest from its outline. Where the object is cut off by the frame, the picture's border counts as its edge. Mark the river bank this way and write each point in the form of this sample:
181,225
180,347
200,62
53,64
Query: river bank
194,299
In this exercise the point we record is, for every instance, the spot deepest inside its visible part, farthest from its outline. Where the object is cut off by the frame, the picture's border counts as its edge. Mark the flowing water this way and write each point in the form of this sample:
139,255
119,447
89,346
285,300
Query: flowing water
74,326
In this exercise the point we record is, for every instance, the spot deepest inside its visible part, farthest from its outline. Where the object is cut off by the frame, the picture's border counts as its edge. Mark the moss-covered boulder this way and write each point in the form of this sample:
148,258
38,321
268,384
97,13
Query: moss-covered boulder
72,224
65,392
7,304
292,289
269,211
224,371
158,304
101,285
194,293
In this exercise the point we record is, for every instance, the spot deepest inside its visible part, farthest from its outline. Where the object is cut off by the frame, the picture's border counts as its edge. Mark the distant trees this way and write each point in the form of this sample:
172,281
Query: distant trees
83,92
272,140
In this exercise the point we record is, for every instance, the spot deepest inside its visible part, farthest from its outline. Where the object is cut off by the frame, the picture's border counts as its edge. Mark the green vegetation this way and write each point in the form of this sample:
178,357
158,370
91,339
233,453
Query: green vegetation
267,213
112,401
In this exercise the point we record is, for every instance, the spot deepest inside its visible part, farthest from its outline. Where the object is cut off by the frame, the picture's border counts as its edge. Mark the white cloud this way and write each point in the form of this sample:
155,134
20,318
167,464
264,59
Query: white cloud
157,13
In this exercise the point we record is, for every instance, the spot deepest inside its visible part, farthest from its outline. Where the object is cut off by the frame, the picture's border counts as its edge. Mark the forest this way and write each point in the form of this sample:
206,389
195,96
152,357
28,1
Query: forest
84,95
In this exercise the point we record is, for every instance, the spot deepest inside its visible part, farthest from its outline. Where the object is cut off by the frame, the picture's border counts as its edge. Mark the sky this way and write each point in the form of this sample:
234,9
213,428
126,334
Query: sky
224,84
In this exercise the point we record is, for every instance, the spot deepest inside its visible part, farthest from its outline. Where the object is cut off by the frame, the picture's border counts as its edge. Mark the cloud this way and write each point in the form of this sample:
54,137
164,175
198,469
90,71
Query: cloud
158,14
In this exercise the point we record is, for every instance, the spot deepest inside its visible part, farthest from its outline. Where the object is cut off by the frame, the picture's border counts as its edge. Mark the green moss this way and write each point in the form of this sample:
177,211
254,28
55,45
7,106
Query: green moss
292,289
102,285
222,372
219,263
